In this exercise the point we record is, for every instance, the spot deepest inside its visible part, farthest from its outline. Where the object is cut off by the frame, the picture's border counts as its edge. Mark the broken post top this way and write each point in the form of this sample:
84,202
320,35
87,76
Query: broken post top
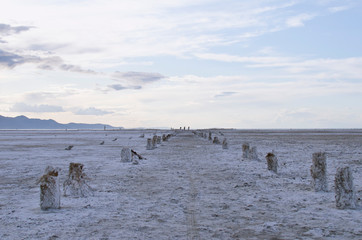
319,158
49,170
49,173
75,165
246,146
344,189
76,171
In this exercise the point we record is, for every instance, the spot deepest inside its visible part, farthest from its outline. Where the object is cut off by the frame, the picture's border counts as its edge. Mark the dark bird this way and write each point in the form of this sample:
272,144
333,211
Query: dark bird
69,147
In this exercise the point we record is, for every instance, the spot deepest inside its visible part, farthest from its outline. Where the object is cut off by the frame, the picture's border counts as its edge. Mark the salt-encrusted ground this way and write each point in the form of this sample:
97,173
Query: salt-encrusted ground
188,188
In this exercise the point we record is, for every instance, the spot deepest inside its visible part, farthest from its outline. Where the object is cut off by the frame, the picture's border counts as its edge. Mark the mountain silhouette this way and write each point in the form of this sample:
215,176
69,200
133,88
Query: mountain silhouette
22,122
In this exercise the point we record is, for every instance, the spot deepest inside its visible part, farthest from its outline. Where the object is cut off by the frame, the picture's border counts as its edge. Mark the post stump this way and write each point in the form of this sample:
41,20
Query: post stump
126,155
149,144
225,144
344,189
216,140
76,183
272,162
246,149
253,154
49,189
318,172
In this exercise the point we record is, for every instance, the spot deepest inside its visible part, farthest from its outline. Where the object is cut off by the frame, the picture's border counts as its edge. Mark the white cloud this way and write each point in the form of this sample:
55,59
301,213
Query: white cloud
338,9
23,107
121,29
225,94
299,20
248,59
91,111
295,114
343,68
193,99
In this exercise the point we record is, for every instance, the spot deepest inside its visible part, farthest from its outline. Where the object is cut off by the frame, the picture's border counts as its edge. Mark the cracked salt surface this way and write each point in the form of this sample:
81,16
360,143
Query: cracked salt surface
188,188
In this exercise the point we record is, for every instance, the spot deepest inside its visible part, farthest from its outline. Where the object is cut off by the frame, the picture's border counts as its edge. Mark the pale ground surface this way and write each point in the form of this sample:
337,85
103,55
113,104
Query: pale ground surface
187,188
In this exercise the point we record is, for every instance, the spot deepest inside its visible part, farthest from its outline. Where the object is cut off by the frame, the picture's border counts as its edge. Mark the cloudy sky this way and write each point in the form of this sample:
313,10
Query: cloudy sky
198,63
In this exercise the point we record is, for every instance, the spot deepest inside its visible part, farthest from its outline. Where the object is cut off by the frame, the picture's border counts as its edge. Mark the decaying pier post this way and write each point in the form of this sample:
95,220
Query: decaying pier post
225,144
246,150
76,183
50,189
344,189
318,172
272,162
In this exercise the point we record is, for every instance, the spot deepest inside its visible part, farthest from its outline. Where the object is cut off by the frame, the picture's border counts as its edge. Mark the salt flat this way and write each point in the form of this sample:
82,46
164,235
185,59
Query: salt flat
187,188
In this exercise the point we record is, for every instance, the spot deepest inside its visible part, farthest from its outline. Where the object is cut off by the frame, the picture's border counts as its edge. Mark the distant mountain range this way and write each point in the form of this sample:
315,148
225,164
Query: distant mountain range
22,122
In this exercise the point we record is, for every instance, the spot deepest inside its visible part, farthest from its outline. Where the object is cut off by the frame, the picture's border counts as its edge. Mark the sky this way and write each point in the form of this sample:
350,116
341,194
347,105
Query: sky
200,63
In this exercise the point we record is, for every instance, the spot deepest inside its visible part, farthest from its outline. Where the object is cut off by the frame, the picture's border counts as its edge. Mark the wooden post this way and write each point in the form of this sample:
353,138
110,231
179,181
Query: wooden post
168,136
76,185
253,154
49,189
154,142
225,144
246,149
344,189
149,144
272,162
318,171
126,155
216,140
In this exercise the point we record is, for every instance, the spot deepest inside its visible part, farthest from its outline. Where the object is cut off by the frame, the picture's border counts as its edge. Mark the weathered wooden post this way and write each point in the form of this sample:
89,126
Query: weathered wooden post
158,139
272,162
149,144
210,136
50,189
225,144
167,137
253,154
126,155
154,142
216,140
246,149
318,171
344,189
76,185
